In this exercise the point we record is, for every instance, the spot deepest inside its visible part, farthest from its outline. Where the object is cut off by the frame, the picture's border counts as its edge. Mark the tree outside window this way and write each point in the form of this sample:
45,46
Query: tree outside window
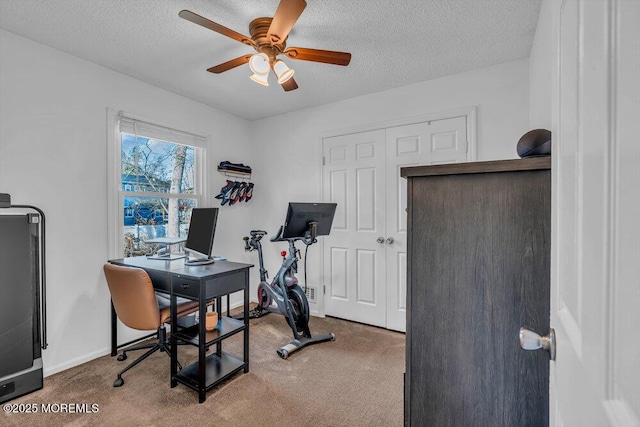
158,190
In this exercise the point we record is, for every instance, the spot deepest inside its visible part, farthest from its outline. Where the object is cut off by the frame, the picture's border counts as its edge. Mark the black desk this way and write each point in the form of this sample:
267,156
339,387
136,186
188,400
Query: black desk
199,283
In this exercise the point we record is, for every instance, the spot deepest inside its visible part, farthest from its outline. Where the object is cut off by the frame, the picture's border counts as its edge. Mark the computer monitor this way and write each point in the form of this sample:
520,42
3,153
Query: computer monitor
301,215
202,229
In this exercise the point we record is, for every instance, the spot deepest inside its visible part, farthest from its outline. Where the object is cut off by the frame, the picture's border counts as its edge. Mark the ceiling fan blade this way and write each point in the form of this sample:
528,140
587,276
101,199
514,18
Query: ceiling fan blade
318,55
204,22
289,85
286,16
225,66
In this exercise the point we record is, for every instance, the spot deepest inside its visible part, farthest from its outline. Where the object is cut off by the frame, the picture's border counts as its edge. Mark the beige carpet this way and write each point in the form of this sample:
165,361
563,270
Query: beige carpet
355,380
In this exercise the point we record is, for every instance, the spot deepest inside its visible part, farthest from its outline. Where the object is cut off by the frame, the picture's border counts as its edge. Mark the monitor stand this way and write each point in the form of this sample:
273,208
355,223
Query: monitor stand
166,257
199,261
165,252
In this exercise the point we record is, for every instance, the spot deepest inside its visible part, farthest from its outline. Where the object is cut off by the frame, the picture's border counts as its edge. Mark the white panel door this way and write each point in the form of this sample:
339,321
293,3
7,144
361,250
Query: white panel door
354,261
595,298
365,254
428,143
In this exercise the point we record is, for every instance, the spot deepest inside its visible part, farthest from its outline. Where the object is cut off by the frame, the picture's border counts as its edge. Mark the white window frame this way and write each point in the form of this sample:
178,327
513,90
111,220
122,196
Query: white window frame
115,196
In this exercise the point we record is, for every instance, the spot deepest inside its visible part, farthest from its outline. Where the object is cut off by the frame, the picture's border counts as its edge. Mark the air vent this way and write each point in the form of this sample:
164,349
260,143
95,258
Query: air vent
310,292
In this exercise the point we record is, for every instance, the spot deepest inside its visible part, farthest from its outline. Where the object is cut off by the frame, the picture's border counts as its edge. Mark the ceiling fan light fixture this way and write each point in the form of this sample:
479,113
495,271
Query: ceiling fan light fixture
283,72
259,63
268,38
260,79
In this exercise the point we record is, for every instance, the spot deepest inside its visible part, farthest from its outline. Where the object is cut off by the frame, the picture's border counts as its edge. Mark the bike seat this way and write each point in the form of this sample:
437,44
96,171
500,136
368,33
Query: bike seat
255,233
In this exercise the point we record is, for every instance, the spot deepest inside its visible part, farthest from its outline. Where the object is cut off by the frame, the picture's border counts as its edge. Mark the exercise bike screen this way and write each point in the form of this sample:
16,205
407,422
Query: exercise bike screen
299,215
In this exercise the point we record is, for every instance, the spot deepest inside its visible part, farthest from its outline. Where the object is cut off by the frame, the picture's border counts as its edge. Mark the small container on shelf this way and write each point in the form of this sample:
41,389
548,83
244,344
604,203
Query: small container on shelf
211,322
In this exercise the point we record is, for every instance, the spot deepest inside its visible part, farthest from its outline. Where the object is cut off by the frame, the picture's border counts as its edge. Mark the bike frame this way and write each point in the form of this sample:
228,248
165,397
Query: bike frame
277,289
281,292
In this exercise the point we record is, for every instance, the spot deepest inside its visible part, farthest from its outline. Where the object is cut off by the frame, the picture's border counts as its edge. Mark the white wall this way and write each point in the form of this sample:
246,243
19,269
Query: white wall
53,154
53,131
290,169
541,63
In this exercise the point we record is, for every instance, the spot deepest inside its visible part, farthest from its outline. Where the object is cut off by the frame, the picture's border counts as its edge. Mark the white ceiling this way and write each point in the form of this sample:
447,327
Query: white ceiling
393,43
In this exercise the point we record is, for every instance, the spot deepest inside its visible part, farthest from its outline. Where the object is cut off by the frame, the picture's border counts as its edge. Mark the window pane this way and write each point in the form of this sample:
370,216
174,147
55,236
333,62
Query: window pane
148,218
152,165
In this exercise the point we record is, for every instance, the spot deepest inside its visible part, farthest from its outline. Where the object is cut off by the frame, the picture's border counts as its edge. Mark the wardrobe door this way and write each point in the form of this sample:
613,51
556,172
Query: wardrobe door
479,270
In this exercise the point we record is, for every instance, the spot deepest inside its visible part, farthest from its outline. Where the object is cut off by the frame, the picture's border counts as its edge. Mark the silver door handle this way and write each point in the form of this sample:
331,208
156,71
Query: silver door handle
389,240
380,240
529,340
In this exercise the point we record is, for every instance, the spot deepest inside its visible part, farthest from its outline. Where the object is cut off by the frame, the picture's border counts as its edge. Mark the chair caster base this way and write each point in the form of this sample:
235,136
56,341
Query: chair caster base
118,382
122,357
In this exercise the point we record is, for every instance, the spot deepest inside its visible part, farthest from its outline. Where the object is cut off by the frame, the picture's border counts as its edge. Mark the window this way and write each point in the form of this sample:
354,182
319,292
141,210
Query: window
157,177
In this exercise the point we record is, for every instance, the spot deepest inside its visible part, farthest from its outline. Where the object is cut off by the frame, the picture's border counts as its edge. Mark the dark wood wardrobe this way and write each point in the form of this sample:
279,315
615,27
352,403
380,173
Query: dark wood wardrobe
478,270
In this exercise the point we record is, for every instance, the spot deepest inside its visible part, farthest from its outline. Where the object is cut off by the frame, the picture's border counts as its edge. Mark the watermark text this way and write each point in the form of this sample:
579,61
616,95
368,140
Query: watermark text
51,408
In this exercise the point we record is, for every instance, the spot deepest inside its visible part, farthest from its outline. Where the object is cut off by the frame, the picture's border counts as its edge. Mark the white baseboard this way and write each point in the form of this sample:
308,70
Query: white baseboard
51,370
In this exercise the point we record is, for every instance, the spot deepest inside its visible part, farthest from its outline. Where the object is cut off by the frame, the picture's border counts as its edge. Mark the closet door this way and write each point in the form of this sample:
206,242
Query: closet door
427,143
365,256
354,260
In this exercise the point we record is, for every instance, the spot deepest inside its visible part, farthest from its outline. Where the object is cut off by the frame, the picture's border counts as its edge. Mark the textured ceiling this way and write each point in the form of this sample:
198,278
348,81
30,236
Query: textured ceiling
393,43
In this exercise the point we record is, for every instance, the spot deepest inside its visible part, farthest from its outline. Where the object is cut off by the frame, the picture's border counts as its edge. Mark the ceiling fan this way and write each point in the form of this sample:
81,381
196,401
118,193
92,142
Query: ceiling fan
269,39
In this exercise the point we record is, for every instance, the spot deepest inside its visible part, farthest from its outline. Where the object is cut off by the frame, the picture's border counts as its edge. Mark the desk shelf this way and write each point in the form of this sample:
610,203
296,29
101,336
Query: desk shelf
227,326
218,367
202,284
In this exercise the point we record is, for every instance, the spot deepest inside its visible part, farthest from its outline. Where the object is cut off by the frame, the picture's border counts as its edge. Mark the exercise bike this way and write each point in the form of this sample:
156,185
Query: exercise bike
284,295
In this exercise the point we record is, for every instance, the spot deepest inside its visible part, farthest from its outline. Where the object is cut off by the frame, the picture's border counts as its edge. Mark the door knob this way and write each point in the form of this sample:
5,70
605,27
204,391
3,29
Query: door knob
380,240
529,340
389,240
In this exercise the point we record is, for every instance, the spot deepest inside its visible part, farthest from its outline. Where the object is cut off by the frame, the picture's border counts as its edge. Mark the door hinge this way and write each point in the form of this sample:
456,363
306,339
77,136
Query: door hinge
466,146
324,290
323,160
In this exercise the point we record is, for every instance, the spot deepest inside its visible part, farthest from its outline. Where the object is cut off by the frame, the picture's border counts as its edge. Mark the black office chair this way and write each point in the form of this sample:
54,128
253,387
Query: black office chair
139,307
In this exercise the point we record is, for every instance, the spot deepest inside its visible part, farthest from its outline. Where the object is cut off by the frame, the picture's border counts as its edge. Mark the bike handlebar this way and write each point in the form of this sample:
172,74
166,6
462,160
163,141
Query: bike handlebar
246,243
256,235
251,243
277,236
306,240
